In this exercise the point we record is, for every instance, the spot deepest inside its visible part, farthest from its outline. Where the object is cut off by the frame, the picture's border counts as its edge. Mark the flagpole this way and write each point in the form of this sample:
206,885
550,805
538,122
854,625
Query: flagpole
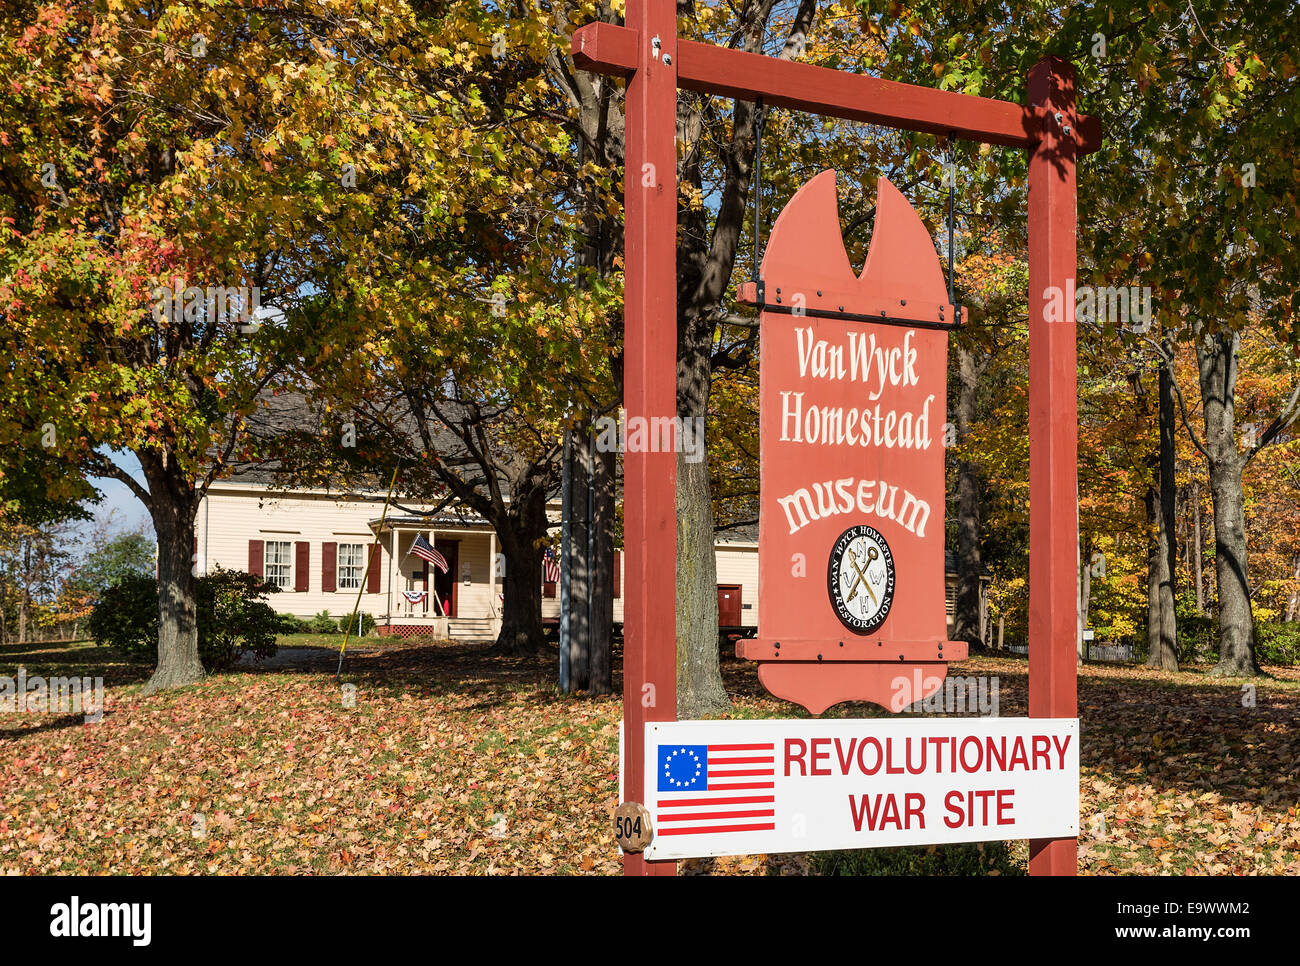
370,559
446,569
433,581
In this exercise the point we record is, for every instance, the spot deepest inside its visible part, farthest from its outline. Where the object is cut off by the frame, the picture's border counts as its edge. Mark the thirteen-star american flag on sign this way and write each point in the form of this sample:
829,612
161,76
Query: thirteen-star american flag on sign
422,549
715,788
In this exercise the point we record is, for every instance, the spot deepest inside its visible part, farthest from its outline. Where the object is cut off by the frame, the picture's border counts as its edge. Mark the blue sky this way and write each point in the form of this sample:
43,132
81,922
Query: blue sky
129,513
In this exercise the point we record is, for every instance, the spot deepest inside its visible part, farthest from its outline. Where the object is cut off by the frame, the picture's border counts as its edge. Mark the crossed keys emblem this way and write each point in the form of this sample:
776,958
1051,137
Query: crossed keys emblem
861,579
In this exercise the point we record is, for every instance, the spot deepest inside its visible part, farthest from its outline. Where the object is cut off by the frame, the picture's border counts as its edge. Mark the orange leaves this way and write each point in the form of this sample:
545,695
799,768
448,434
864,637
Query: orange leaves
269,773
454,761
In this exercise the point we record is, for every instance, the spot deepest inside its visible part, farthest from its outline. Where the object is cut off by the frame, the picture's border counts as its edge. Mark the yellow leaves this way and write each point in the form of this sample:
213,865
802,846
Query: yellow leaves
1147,75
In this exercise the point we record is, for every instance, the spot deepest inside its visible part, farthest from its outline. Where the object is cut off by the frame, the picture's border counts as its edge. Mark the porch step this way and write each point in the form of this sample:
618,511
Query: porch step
471,629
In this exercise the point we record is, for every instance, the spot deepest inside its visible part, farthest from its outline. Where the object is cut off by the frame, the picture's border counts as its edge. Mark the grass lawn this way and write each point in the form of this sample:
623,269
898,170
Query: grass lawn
453,760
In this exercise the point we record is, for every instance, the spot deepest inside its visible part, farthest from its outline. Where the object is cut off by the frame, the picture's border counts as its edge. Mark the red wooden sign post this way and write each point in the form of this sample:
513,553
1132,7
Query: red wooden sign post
648,52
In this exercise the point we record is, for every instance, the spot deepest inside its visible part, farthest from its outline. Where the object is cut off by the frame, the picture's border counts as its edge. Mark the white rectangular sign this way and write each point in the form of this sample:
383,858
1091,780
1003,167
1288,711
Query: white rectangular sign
748,787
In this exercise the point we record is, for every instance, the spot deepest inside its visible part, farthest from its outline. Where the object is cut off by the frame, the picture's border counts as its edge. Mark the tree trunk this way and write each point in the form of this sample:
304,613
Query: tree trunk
699,681
580,587
603,521
1163,647
1151,504
1216,358
25,591
699,677
1293,602
966,617
591,620
521,535
178,634
1198,541
704,265
705,258
1085,594
700,690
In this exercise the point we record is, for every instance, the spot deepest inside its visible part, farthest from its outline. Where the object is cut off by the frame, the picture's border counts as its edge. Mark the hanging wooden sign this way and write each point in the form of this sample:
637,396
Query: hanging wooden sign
853,377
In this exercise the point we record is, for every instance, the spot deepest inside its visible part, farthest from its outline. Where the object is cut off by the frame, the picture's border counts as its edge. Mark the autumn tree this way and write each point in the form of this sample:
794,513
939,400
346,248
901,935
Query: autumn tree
1191,195
165,173
32,559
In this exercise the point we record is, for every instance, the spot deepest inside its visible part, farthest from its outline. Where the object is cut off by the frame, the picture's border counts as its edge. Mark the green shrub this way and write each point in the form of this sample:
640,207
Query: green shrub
234,618
292,624
967,858
362,626
1198,636
322,623
1277,642
232,613
126,616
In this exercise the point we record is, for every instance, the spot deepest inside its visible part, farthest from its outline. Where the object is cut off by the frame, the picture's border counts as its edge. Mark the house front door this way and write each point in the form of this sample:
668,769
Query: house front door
728,605
444,585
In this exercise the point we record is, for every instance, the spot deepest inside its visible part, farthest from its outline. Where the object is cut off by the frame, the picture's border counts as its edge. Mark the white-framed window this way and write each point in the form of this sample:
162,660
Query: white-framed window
278,568
352,565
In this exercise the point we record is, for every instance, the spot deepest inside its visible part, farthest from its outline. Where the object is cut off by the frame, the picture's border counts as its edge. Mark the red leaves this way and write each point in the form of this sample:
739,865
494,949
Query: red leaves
454,761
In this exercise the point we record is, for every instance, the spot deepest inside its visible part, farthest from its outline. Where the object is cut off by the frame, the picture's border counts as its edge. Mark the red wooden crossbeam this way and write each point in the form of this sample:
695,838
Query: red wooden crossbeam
708,69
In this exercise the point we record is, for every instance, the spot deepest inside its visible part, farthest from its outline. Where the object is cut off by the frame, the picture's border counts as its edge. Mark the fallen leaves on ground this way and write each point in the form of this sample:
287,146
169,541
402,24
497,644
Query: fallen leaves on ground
454,760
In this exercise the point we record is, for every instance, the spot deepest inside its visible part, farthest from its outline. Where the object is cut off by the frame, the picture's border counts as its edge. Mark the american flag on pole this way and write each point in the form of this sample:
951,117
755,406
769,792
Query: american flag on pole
550,566
716,788
424,550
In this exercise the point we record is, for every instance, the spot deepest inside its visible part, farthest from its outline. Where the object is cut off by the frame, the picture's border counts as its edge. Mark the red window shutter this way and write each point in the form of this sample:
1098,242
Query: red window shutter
372,580
329,559
548,588
255,557
301,563
618,587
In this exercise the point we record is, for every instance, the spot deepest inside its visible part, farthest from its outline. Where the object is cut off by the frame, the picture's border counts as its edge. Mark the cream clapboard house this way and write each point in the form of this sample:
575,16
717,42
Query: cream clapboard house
313,544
